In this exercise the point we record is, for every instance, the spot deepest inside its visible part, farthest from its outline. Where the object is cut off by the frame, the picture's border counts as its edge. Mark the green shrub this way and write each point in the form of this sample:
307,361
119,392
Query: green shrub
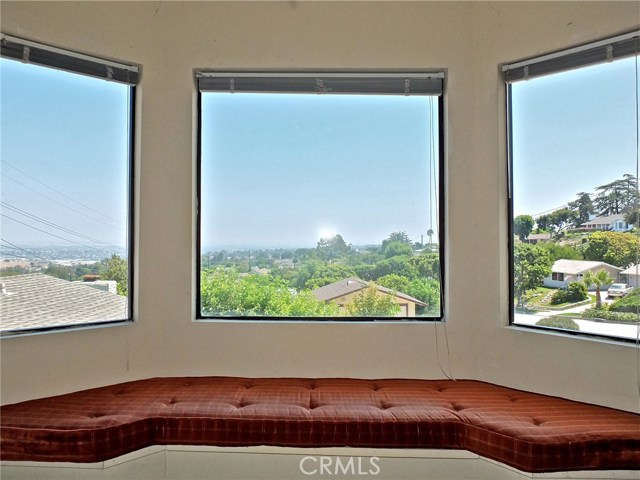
575,292
629,303
557,321
605,314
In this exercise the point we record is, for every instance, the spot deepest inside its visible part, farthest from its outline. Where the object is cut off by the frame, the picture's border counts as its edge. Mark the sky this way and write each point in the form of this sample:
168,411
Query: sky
573,132
64,158
287,170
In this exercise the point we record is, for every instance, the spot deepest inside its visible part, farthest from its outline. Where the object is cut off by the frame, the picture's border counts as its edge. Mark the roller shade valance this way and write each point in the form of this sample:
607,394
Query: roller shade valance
582,56
323,83
44,55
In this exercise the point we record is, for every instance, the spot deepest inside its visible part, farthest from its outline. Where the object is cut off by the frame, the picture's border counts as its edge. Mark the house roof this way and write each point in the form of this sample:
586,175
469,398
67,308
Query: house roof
632,270
539,236
604,220
36,300
579,266
350,285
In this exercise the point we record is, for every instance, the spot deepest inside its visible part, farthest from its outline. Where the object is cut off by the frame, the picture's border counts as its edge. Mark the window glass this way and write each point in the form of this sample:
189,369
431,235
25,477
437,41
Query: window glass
320,206
65,211
574,178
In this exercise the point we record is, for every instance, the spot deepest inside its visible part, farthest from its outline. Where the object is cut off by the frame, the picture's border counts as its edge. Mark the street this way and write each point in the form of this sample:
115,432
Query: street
619,330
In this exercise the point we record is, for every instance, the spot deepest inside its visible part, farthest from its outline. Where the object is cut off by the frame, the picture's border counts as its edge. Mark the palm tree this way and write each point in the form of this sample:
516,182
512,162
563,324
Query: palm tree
599,278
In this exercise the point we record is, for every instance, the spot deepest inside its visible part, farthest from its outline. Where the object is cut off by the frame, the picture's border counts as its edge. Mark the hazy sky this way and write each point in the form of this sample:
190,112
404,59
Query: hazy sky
287,170
573,131
64,157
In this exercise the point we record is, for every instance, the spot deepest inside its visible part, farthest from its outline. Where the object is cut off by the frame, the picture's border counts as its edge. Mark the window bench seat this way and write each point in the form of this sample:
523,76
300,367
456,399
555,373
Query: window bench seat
530,432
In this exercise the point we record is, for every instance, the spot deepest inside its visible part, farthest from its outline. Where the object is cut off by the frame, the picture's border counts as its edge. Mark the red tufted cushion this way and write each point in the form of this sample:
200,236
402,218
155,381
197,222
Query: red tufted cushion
531,432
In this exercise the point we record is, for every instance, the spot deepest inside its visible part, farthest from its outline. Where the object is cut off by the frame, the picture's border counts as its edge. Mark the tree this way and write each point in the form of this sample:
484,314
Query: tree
393,249
601,277
400,265
427,290
575,292
59,271
223,291
394,282
522,226
583,206
618,196
371,303
531,264
427,264
401,237
616,248
332,248
558,220
117,269
557,251
327,273
632,217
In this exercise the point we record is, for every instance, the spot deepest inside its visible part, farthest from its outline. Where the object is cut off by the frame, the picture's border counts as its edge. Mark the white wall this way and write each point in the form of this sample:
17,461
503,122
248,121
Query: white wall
169,40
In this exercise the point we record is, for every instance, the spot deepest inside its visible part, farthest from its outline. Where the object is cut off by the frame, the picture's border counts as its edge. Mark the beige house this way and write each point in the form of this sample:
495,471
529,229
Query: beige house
631,276
344,291
564,272
538,237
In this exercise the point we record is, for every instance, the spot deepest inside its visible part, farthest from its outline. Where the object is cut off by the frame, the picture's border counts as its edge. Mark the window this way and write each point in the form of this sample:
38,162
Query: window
319,196
573,162
66,244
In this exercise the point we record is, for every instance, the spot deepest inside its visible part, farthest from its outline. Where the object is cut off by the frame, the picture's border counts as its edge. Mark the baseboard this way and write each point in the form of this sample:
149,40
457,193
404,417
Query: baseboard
176,462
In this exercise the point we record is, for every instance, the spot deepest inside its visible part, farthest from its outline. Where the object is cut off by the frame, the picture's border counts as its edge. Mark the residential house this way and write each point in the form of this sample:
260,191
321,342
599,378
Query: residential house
343,292
563,272
615,223
538,237
631,276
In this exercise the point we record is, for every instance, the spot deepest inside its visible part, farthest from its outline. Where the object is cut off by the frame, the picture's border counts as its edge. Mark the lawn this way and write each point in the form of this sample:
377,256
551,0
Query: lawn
540,299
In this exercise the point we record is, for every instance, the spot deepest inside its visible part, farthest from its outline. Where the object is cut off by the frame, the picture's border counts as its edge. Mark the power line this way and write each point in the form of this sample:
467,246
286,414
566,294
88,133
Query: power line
7,254
550,210
59,192
22,249
45,232
51,224
60,203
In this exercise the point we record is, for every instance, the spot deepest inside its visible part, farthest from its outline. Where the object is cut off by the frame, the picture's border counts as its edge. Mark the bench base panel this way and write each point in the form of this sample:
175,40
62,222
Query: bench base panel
177,462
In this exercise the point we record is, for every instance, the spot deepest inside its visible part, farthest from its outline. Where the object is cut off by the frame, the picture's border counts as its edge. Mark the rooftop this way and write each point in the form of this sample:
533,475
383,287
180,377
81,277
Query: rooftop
579,266
632,270
604,220
36,300
351,285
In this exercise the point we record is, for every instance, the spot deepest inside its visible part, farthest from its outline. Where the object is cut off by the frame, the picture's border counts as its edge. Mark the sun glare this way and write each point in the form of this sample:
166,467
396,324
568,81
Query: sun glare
326,233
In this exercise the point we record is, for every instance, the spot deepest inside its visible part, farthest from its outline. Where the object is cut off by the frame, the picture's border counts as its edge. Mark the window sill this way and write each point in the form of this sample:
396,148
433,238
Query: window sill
63,329
574,335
